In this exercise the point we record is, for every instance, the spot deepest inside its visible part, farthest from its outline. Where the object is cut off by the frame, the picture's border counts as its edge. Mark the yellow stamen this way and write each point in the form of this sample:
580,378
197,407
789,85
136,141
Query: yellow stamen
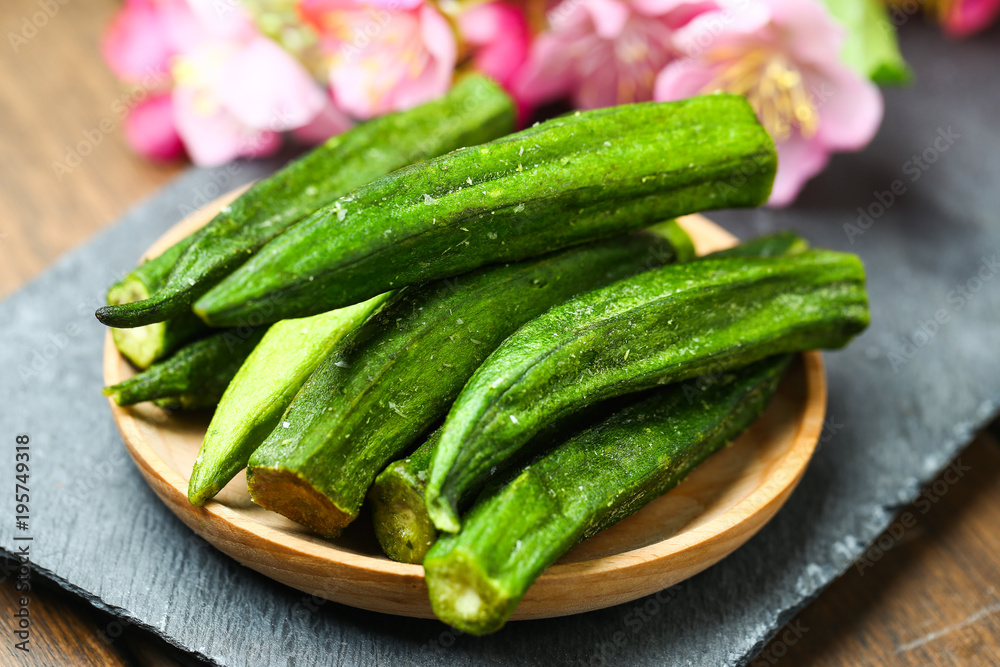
772,84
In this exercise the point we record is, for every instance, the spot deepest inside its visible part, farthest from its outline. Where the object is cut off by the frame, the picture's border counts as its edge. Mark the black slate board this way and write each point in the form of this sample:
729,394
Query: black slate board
99,531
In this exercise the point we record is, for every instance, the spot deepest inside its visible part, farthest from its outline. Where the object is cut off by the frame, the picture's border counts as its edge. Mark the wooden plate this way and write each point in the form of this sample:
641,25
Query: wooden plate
718,508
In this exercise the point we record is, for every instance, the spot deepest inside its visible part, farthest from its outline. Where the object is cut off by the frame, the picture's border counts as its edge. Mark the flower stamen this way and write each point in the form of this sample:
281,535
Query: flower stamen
772,84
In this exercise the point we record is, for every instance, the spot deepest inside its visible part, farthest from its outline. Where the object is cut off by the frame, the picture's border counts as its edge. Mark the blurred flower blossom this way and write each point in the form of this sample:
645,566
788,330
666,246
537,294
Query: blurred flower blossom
224,78
961,18
384,55
150,129
497,35
234,90
783,56
604,52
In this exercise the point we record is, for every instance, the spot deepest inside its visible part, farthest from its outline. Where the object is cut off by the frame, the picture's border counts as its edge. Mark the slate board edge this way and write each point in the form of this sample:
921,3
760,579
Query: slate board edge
888,511
130,621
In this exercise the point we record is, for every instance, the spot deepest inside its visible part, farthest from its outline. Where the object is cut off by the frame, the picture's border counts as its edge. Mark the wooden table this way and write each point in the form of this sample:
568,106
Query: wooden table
928,597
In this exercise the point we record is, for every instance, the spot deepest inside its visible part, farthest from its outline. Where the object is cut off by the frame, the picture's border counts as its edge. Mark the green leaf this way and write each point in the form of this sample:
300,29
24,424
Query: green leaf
871,48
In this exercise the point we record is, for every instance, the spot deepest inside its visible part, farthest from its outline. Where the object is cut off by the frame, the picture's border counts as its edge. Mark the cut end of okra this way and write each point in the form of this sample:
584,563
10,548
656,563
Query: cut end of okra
140,345
114,393
290,495
399,515
442,512
463,596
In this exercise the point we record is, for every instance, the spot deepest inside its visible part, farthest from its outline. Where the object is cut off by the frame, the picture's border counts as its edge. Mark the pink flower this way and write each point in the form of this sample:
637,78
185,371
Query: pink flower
234,90
327,123
497,33
783,56
138,43
604,52
151,132
385,55
961,18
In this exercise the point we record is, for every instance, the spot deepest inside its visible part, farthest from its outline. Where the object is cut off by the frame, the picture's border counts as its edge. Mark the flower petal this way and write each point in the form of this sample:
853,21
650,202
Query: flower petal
212,135
798,160
135,44
609,16
327,123
548,74
265,88
850,107
681,79
409,62
498,33
150,130
968,17
806,29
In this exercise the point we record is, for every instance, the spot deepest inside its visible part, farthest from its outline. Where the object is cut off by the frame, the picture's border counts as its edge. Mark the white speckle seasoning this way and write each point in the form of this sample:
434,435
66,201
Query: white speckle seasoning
519,208
341,364
492,235
190,281
517,545
607,144
311,190
428,200
514,419
341,214
521,151
469,180
285,424
493,470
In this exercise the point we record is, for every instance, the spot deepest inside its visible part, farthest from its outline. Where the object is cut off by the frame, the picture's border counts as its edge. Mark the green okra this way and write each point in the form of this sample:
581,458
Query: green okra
566,181
193,377
261,390
658,327
475,110
399,514
147,344
584,484
396,375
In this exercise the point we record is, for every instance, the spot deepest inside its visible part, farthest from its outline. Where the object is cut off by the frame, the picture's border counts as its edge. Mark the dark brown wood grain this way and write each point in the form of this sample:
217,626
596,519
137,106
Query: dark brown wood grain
60,632
927,592
933,597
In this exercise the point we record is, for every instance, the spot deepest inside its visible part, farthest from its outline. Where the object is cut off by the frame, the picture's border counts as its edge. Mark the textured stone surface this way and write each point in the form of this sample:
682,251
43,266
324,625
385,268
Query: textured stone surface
893,421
